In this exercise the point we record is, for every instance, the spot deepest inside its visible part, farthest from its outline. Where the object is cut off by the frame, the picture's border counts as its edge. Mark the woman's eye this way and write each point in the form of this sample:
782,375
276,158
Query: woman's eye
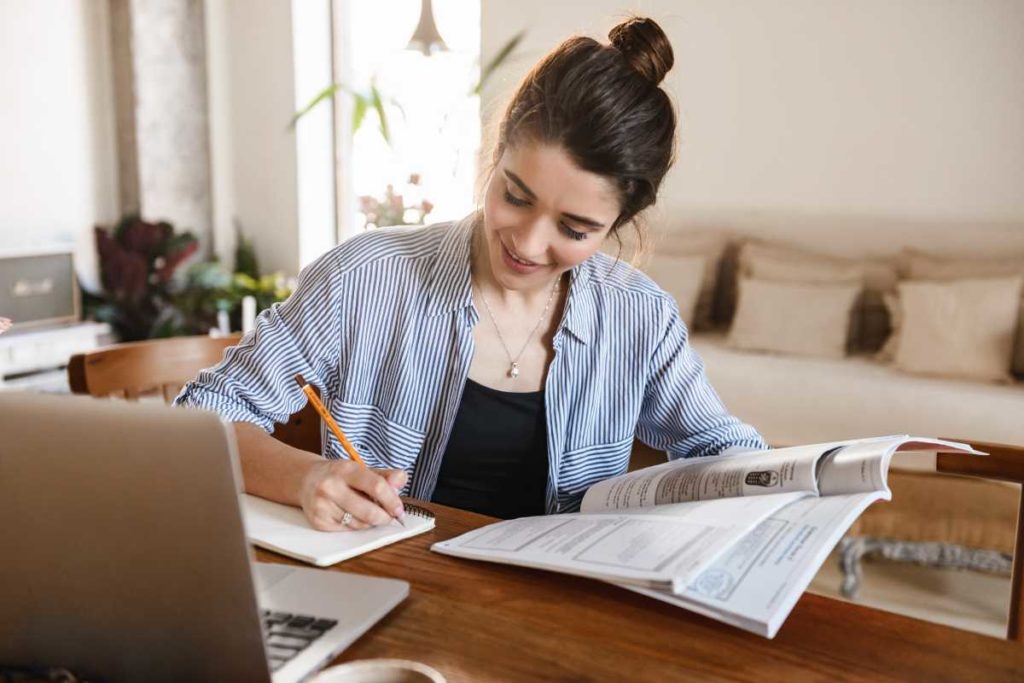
570,233
573,234
514,200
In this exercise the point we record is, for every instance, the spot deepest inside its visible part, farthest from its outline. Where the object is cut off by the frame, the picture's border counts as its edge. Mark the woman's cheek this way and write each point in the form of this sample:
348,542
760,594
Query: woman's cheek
571,255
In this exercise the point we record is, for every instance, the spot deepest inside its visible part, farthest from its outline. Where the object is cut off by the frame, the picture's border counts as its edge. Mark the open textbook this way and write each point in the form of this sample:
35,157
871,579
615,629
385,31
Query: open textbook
736,538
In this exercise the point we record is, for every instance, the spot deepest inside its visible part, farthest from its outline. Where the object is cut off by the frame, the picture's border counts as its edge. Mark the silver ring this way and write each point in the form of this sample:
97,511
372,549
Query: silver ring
346,519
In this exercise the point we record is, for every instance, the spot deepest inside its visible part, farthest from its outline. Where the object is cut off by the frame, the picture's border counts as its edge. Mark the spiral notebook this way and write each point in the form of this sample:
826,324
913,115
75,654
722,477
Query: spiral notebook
284,529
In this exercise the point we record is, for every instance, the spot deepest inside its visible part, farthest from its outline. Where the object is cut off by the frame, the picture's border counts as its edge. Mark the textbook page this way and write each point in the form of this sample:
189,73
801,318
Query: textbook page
853,466
781,470
664,547
755,585
863,466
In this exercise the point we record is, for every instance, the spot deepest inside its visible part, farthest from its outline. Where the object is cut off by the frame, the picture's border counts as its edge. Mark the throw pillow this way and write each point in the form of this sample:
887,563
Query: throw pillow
793,317
917,265
708,244
682,277
869,324
961,328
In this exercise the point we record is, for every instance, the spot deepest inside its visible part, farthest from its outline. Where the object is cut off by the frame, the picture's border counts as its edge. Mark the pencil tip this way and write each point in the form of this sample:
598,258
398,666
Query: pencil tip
300,380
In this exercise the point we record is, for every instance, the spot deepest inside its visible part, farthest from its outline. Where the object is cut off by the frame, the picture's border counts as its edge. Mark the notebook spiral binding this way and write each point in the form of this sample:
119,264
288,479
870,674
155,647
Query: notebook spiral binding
417,511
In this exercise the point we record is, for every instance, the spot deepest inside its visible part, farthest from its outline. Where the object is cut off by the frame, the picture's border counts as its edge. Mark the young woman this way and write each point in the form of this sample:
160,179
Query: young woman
501,363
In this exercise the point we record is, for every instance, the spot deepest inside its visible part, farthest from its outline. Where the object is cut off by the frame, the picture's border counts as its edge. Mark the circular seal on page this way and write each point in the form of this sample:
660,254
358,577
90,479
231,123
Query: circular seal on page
714,583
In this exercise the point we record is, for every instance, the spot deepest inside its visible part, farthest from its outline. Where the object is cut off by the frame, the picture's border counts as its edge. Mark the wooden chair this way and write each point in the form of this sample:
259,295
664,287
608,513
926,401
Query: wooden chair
1003,463
160,368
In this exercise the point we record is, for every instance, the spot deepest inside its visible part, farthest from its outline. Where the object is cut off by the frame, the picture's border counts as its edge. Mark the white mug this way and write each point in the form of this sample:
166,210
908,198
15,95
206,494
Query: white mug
380,671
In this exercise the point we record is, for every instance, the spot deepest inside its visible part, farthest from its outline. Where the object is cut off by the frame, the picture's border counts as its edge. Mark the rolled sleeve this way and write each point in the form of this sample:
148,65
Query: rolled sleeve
681,413
255,380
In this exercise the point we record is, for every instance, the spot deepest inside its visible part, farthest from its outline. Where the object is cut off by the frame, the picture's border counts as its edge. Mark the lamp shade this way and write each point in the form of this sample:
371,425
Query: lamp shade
426,38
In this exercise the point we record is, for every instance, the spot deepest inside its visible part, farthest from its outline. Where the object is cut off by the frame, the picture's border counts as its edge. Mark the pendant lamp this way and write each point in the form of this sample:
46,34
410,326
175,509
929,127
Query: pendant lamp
426,38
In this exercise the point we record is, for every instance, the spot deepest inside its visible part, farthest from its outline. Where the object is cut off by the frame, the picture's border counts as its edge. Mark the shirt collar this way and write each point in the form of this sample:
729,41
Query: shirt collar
450,284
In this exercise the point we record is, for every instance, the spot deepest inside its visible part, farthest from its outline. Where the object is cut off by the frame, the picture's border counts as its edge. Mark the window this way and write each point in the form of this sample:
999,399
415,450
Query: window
431,110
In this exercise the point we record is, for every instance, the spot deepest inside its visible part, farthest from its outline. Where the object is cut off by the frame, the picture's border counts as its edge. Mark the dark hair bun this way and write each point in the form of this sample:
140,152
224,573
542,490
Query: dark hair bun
645,46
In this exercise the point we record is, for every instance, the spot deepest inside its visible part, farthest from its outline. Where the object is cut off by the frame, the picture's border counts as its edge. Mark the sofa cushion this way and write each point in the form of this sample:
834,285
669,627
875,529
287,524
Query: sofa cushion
682,277
917,265
809,319
707,244
869,323
962,328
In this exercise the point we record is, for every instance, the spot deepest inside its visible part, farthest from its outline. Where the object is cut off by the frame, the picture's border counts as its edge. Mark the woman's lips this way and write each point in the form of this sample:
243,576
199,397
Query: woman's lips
515,265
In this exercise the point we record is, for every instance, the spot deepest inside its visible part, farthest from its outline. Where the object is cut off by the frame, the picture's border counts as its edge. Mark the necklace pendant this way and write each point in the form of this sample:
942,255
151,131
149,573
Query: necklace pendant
513,371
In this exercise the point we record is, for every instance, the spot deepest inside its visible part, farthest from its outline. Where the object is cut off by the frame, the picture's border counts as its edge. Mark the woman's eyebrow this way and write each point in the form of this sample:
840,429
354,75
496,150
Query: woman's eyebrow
583,220
519,181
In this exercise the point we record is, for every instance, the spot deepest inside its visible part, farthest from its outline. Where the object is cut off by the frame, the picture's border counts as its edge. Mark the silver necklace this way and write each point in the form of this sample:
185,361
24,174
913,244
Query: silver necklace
513,368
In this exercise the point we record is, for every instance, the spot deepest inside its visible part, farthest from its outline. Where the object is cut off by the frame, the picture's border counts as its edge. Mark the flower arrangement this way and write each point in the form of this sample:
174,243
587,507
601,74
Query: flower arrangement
392,209
143,298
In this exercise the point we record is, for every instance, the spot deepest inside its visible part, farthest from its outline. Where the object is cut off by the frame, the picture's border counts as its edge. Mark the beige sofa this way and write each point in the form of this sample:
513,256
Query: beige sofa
830,390
838,388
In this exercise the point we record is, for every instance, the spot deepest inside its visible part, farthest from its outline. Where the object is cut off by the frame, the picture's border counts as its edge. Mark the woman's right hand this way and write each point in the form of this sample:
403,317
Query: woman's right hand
330,488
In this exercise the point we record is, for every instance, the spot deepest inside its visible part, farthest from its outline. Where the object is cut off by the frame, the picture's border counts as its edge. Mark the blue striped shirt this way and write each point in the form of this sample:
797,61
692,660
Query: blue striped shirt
383,324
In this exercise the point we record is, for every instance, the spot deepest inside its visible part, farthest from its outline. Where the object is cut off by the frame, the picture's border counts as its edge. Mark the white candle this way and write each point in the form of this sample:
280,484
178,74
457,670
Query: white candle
248,314
223,323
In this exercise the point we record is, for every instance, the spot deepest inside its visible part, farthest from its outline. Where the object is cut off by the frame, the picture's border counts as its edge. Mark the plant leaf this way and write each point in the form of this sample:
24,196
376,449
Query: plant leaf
506,50
358,113
324,94
378,104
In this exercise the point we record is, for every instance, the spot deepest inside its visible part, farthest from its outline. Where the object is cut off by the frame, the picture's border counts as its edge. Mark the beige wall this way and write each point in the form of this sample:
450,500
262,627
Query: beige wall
854,124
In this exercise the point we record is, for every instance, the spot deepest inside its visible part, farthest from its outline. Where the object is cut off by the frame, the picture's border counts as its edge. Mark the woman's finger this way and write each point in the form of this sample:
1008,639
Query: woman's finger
362,508
329,516
375,487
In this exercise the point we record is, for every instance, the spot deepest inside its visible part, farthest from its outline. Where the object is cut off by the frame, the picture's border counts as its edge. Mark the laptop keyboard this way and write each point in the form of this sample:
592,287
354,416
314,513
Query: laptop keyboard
286,635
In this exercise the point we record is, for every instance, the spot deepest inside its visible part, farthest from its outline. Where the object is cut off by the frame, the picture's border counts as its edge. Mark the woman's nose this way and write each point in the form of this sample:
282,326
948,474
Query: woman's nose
531,240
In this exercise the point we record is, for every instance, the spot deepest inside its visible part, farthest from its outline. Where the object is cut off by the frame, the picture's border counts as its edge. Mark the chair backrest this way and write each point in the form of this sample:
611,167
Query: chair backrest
1005,463
161,367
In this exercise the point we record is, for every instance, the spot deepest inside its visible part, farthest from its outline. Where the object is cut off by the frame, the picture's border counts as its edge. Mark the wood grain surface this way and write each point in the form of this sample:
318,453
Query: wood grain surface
477,621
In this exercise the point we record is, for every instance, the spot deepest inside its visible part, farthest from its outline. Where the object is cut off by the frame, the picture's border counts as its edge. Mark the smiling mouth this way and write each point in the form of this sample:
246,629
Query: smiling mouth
515,258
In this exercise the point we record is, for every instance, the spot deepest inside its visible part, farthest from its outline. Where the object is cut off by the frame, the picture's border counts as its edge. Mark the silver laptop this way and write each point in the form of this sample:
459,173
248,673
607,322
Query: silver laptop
123,556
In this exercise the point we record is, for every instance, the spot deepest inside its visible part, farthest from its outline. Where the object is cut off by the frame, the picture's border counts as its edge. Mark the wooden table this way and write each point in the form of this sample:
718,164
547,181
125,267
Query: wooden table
477,621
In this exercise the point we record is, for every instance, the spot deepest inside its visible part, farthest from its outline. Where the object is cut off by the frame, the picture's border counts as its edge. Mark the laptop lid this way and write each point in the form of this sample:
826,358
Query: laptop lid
124,556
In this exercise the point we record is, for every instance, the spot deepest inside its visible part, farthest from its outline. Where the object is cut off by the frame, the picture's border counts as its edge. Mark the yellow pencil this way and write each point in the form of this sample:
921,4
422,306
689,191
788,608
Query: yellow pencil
329,421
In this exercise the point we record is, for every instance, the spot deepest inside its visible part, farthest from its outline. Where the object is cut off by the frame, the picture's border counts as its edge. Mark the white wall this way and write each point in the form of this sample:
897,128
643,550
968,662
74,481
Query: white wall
269,178
249,48
866,120
58,171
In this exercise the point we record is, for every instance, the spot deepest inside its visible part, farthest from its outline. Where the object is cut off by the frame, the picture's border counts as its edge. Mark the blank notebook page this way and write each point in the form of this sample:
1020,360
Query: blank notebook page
284,529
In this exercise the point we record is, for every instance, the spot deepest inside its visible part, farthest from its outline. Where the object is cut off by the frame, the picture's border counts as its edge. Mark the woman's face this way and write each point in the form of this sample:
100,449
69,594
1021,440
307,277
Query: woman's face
543,215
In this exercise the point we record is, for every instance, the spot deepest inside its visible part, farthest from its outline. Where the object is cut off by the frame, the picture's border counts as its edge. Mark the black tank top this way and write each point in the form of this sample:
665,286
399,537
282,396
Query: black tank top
496,462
